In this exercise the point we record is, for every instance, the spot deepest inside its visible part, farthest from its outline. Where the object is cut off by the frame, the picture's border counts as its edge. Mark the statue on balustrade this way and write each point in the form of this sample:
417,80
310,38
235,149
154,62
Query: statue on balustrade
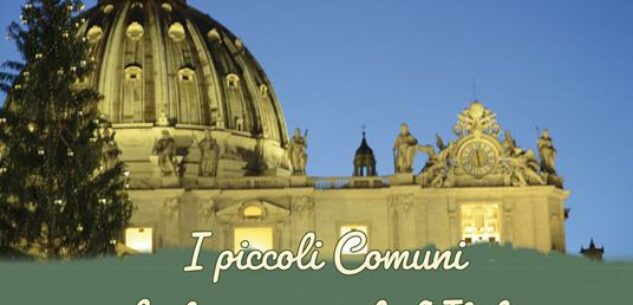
165,149
298,152
548,160
439,169
208,155
109,150
548,153
405,148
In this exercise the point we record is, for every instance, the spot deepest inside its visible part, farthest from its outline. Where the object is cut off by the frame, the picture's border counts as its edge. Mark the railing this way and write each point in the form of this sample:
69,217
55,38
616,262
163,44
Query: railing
337,183
319,183
247,183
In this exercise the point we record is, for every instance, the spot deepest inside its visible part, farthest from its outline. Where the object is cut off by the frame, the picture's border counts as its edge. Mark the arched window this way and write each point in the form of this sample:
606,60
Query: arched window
133,94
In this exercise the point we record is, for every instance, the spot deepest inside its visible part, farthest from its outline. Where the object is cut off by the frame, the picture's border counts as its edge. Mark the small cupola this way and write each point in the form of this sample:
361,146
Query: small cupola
364,160
593,252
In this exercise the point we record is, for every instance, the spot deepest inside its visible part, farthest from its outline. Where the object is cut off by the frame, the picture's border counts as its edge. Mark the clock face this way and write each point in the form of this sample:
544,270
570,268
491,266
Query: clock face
478,158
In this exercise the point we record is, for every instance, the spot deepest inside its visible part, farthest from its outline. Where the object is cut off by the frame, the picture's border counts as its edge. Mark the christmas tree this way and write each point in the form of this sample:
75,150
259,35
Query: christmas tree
62,188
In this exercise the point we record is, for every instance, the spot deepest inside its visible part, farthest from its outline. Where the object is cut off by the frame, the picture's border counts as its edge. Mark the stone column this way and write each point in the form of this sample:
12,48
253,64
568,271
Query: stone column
403,226
302,219
170,222
507,229
454,222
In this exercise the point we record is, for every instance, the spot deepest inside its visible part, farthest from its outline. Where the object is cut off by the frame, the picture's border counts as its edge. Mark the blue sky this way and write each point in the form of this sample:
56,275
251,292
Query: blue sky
566,65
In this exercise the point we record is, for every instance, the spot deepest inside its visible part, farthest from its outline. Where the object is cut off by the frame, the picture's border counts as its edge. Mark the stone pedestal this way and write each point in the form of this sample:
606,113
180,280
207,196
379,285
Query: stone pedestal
402,179
231,168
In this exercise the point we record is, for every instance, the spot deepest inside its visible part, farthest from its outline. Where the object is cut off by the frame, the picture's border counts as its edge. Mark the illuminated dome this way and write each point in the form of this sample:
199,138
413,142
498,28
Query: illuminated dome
162,65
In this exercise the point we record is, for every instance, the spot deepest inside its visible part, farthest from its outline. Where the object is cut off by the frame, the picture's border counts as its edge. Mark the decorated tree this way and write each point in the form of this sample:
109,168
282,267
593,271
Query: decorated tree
62,188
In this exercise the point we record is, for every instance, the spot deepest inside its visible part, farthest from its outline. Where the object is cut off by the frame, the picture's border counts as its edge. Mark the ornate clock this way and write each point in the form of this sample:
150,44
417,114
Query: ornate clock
478,157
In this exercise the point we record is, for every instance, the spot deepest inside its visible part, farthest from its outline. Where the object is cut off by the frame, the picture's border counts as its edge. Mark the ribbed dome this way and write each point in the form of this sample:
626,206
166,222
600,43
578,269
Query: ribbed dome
162,61
170,72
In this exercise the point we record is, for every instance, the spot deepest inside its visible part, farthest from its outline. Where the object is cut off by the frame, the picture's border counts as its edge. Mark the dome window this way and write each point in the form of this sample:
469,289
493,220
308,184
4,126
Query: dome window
177,32
133,94
239,45
137,5
214,36
263,90
133,73
107,9
94,34
186,75
233,81
135,31
167,7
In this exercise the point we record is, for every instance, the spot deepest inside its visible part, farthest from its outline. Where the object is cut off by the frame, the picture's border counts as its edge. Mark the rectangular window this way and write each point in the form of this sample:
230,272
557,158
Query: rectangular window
480,223
258,238
347,249
140,240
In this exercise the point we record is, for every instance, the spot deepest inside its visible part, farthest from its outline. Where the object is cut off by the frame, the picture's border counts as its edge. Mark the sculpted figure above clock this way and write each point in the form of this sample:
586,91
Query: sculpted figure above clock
479,158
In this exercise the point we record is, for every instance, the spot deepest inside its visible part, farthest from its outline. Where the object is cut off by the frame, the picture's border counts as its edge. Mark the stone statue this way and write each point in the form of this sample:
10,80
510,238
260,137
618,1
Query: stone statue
162,120
509,144
438,171
521,168
405,149
165,149
298,152
208,155
476,119
548,153
109,150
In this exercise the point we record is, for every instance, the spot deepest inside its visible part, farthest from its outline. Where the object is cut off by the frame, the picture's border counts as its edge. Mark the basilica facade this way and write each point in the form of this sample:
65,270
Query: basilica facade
207,147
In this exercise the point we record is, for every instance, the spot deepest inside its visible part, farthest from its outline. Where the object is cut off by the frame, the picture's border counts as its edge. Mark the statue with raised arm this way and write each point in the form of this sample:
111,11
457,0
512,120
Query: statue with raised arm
405,148
547,152
298,152
208,155
165,149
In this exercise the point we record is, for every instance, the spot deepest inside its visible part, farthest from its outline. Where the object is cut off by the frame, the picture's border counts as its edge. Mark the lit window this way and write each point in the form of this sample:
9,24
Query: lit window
233,81
133,73
135,31
177,32
258,238
480,223
253,211
140,239
95,33
186,75
347,248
